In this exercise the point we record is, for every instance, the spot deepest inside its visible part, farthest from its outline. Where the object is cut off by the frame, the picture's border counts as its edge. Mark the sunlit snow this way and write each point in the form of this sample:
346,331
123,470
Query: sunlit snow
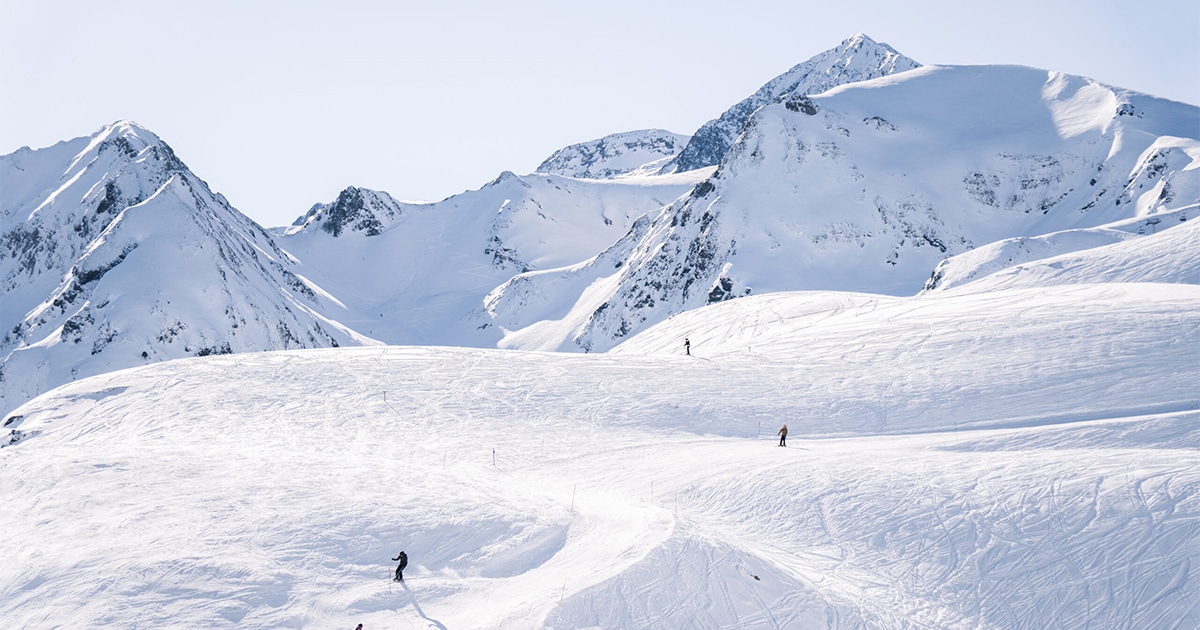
1021,458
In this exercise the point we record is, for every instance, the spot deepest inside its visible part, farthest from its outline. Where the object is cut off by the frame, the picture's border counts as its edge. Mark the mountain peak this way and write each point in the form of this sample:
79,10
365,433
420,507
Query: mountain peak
615,155
857,58
860,40
355,210
116,254
857,40
126,133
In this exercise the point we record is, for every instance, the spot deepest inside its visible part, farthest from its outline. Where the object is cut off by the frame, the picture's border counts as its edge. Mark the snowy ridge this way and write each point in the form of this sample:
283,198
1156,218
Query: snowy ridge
113,254
869,186
858,58
935,476
629,153
128,258
433,264
1126,251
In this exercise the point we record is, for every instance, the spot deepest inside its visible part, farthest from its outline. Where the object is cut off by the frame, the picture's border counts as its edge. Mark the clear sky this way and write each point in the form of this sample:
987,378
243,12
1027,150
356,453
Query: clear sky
280,105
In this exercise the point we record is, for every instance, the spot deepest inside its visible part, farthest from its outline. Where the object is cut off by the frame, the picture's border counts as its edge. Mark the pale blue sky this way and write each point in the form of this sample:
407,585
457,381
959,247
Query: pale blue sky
280,105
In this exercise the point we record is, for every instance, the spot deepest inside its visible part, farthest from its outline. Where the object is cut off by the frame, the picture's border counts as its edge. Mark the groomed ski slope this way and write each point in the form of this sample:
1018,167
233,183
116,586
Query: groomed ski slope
1018,459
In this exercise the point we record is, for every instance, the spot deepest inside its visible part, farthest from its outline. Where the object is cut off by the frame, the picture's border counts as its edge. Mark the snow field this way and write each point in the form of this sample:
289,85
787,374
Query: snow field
1016,460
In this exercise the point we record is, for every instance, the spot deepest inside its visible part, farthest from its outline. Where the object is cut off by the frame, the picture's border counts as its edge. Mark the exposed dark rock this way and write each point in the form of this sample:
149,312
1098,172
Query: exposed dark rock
800,103
703,188
222,349
112,196
879,123
119,144
503,257
721,291
349,212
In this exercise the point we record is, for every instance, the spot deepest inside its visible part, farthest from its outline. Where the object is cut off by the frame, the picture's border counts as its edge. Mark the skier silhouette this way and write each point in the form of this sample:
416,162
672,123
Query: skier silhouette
687,346
783,435
403,558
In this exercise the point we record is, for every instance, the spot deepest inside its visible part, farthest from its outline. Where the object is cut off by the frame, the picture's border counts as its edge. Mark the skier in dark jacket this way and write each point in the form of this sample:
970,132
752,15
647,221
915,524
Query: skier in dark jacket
403,558
783,435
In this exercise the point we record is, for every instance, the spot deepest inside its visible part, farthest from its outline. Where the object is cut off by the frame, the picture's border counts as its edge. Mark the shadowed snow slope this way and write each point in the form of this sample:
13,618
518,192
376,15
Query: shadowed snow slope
1022,458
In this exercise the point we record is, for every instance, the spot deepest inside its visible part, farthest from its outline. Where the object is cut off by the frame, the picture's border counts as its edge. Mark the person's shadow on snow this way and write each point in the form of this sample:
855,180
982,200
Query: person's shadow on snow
417,607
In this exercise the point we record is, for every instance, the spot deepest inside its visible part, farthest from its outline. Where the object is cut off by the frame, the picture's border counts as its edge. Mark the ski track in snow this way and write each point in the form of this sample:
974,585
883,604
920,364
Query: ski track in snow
638,488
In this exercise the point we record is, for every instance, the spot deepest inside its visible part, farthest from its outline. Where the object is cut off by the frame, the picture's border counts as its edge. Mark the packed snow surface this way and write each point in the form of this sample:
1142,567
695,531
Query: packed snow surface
1020,458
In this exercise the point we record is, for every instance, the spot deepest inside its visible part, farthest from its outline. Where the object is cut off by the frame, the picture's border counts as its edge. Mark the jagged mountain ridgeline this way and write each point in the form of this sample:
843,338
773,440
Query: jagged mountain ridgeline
417,273
115,255
857,170
617,155
868,187
859,58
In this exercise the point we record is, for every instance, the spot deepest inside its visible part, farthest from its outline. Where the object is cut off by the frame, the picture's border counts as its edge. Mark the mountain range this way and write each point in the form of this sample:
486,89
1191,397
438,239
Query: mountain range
858,170
941,322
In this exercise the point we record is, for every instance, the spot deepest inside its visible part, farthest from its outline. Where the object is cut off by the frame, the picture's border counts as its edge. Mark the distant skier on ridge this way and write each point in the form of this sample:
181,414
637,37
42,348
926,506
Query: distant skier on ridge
403,558
687,346
783,435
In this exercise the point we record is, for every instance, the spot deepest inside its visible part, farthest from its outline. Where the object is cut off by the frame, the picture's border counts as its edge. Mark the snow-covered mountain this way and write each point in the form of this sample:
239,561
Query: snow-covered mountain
991,392
418,273
858,58
867,187
115,255
630,153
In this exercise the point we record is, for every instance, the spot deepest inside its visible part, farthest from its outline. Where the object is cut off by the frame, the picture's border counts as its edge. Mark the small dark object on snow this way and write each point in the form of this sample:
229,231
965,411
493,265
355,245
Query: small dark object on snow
687,346
755,577
403,558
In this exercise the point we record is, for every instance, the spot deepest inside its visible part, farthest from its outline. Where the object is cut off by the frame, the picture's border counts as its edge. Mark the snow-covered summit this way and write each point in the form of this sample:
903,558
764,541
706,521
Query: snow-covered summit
117,255
630,153
418,273
858,58
868,187
354,210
